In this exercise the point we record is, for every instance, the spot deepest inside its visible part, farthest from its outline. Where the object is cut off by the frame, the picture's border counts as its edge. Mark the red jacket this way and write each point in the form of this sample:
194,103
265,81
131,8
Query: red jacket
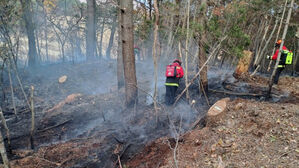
174,81
179,70
274,57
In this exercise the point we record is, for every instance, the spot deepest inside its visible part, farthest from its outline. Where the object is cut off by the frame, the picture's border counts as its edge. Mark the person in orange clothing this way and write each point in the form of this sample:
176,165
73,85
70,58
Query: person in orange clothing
282,61
174,73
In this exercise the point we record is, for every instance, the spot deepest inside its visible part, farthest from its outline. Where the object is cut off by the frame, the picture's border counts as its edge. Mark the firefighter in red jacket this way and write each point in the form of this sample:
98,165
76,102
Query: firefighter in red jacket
174,73
282,61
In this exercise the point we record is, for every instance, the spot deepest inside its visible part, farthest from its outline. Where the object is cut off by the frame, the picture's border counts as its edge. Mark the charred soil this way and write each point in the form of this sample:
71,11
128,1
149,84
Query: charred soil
82,122
251,133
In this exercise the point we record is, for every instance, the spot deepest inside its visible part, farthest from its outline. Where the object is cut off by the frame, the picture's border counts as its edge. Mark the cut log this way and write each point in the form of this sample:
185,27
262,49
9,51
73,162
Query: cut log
62,79
216,112
69,99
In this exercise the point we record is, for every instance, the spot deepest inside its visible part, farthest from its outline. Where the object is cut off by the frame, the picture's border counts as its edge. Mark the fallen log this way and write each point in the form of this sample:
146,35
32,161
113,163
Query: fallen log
70,98
39,131
54,126
236,93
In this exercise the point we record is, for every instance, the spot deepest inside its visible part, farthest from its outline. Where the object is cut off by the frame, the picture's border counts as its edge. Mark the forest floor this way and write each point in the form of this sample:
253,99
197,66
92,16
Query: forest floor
82,122
251,133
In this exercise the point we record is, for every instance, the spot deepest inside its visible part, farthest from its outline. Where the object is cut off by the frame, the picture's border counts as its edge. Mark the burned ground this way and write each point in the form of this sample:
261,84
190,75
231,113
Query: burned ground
252,133
83,122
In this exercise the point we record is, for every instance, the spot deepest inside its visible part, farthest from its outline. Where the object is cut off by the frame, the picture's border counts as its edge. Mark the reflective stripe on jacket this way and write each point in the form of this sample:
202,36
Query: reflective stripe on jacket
172,84
280,66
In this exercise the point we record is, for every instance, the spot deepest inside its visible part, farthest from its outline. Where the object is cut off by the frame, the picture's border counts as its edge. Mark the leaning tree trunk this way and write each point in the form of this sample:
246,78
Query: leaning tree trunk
280,48
108,51
258,55
91,30
6,129
278,32
263,50
27,14
128,51
3,152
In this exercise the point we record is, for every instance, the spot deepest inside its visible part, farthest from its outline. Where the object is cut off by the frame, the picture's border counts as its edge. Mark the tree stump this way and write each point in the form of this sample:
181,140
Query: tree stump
216,112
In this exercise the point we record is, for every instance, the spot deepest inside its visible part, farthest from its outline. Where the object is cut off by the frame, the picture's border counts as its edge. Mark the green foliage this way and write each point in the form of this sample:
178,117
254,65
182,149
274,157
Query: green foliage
239,40
236,18
213,26
237,51
9,12
196,27
203,7
144,29
9,18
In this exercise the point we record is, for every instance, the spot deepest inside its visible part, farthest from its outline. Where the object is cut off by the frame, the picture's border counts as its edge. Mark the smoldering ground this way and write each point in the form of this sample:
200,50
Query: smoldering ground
99,111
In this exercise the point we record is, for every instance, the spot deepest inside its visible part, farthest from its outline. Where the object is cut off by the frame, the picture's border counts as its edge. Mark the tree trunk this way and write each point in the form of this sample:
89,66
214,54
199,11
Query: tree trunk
101,38
263,50
91,30
258,55
27,14
150,9
280,48
62,51
278,32
6,129
204,73
108,51
32,118
39,59
46,32
3,152
187,50
202,53
295,59
155,53
78,49
11,88
128,51
2,145
120,69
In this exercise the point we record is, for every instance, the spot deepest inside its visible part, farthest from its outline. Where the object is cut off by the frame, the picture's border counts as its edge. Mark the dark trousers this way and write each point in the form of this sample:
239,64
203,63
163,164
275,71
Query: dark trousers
170,94
277,74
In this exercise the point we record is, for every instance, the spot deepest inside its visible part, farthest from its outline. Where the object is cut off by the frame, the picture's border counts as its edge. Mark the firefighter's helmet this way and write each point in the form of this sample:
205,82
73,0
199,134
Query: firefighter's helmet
178,61
278,42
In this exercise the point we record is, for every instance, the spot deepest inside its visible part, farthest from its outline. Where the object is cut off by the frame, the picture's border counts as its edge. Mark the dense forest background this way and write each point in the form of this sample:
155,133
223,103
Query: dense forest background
50,31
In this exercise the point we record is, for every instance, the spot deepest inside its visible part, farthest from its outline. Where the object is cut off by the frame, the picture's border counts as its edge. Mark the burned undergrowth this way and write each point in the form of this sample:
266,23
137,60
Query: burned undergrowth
83,122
